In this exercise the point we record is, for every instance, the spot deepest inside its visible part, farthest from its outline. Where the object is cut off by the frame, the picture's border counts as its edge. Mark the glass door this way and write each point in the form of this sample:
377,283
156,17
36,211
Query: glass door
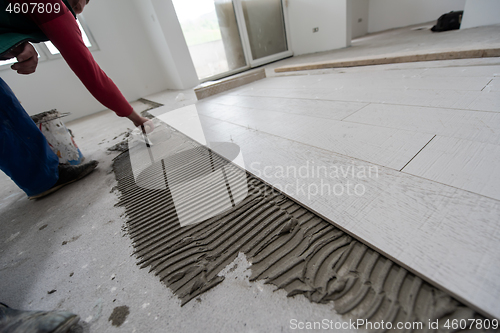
228,36
264,31
212,36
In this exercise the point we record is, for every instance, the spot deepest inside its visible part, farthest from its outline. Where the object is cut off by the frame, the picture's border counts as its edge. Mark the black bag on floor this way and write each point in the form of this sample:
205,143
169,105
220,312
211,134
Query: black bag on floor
448,21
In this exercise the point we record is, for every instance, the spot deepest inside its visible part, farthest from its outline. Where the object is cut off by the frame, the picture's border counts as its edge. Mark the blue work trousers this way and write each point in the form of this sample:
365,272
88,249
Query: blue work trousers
25,155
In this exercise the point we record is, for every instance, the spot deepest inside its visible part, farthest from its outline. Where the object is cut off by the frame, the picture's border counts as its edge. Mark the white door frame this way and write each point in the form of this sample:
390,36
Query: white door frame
240,18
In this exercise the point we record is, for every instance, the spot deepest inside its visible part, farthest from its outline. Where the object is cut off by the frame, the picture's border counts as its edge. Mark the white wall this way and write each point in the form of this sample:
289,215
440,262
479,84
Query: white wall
480,12
348,22
330,16
183,65
133,52
359,18
388,14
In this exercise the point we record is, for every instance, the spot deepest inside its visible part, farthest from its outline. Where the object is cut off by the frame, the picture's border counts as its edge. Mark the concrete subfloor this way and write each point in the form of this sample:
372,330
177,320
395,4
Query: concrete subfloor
69,251
93,272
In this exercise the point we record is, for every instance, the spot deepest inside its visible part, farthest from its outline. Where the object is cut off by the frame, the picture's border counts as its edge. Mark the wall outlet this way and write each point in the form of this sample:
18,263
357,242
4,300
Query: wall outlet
315,29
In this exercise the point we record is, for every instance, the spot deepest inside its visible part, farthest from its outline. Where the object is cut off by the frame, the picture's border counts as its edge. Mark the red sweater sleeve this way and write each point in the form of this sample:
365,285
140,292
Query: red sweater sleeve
65,34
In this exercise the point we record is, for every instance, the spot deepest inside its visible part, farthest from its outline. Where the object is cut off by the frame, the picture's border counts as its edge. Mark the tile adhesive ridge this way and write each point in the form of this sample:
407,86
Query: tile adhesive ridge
288,246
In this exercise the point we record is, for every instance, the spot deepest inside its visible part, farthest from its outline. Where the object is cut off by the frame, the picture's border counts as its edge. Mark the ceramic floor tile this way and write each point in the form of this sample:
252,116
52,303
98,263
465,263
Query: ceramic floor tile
437,217
429,227
393,148
465,124
313,108
469,165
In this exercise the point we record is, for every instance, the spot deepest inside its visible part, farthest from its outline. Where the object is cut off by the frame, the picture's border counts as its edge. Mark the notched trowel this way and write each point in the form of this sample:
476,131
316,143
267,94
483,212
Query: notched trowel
147,132
145,137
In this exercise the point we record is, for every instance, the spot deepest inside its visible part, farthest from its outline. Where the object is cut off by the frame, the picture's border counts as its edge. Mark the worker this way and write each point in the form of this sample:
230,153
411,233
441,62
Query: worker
25,155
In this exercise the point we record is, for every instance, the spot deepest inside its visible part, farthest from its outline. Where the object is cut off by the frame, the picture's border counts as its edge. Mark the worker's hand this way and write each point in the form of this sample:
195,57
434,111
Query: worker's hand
139,120
148,126
27,59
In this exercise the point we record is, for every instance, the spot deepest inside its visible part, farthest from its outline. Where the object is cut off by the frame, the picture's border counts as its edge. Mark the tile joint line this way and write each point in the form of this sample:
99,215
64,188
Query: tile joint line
364,106
418,152
487,84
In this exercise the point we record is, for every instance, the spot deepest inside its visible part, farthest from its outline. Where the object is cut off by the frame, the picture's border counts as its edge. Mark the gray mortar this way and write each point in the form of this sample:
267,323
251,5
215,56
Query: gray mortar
288,246
123,144
119,315
46,116
152,105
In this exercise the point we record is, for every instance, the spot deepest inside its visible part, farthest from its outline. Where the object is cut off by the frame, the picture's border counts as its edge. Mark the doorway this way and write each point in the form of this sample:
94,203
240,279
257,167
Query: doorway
225,37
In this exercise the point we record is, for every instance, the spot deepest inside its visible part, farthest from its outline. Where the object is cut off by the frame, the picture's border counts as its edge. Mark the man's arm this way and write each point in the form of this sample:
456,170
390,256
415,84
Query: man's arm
64,33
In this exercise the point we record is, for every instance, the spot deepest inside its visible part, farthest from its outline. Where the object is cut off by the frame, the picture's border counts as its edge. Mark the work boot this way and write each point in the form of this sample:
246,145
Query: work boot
16,321
67,175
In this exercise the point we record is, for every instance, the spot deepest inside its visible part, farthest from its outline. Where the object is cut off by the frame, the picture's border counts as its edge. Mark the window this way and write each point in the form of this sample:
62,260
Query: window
47,50
54,51
8,62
